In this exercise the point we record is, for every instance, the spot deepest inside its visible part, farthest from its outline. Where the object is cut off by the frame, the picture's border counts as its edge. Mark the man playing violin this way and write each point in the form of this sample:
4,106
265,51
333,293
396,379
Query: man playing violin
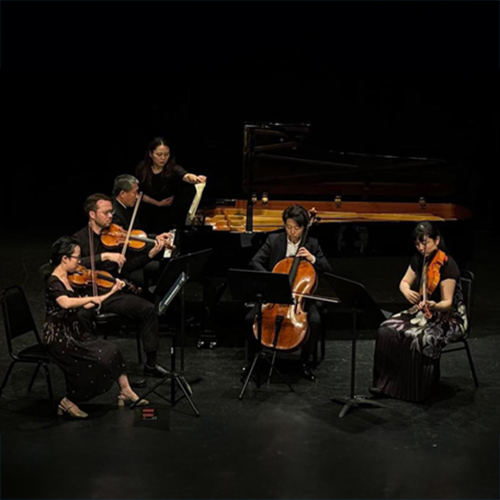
99,209
125,195
285,244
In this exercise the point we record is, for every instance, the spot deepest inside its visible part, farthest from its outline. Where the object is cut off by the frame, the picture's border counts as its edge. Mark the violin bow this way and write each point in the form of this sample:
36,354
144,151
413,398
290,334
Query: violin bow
130,227
312,219
423,279
95,289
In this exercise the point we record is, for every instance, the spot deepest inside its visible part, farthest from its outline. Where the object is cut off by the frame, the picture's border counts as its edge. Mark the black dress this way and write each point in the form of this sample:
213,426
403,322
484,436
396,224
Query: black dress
163,185
91,366
408,346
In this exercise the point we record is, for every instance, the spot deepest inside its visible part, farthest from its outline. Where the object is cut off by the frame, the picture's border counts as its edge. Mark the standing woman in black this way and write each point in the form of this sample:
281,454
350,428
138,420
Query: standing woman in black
160,180
408,346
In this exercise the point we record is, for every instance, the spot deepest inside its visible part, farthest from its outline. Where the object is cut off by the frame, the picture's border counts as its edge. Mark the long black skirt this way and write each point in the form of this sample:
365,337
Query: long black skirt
408,351
91,366
400,371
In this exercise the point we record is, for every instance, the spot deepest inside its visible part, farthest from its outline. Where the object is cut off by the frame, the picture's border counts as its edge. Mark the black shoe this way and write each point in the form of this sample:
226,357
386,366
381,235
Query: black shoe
307,373
376,392
155,371
138,384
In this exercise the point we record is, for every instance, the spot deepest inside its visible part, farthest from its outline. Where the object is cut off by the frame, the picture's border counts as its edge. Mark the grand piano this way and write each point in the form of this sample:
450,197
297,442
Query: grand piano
367,204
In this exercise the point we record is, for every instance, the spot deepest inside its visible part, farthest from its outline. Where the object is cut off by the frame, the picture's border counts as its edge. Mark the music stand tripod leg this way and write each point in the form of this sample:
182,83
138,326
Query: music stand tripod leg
174,380
186,394
279,322
153,389
354,400
273,367
252,368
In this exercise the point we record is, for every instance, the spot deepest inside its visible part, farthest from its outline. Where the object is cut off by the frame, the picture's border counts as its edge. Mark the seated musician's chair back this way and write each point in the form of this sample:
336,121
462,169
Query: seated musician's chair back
467,282
19,322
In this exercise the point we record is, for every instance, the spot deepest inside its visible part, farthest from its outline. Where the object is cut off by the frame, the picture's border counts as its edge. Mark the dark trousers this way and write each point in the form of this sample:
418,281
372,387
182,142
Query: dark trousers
314,321
146,276
132,307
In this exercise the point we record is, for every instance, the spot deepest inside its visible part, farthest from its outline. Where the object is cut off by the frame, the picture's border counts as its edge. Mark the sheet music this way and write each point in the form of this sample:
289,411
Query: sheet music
196,201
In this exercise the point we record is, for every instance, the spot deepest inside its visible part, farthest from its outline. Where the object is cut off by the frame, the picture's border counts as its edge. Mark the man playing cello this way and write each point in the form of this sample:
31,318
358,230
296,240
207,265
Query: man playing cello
286,244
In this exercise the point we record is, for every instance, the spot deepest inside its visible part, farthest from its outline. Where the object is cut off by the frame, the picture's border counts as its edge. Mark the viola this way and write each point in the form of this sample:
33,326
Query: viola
83,277
431,274
285,327
115,236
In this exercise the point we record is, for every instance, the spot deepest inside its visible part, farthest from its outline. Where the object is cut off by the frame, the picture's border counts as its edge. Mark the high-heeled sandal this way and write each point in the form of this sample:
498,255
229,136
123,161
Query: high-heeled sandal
127,400
72,411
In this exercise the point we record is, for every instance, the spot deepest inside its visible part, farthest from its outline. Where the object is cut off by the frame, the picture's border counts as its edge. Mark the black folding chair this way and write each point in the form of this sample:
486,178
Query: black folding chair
19,322
467,283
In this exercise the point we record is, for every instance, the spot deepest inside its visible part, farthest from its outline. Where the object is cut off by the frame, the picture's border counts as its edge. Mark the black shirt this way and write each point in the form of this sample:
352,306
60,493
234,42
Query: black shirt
164,184
123,215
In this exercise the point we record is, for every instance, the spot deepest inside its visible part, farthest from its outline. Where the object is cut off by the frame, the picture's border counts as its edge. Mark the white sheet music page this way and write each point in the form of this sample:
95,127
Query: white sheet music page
168,251
195,203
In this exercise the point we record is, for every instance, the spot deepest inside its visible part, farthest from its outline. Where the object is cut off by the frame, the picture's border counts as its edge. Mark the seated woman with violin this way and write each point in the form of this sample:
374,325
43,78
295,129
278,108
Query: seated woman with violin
99,210
91,366
408,345
295,242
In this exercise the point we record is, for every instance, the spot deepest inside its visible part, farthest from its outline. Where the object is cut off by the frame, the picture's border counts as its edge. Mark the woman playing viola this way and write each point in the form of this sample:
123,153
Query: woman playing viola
91,366
408,346
160,178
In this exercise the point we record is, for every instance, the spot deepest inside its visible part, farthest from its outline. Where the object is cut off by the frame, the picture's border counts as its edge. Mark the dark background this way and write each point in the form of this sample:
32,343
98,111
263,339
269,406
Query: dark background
86,86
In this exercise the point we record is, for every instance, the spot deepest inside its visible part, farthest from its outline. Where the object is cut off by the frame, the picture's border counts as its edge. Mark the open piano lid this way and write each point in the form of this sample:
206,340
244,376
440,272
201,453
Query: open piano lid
285,160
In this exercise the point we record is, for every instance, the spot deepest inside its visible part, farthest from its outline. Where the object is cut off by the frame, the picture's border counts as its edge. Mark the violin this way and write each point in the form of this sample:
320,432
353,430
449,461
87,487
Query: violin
115,236
83,277
285,327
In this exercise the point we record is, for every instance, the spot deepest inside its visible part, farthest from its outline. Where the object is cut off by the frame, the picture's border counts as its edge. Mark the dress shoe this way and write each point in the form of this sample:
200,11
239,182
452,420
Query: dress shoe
72,411
376,392
155,371
307,373
127,400
138,384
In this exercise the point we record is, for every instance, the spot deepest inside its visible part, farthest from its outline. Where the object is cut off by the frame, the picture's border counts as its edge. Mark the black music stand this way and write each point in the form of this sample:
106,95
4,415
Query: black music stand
355,296
172,374
261,287
192,265
172,282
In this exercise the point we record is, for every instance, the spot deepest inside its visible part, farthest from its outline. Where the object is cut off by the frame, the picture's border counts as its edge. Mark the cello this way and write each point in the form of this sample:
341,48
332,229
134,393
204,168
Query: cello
285,327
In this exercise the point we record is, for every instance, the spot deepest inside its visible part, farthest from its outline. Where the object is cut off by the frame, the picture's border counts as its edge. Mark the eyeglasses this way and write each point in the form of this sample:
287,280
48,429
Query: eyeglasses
108,212
77,257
